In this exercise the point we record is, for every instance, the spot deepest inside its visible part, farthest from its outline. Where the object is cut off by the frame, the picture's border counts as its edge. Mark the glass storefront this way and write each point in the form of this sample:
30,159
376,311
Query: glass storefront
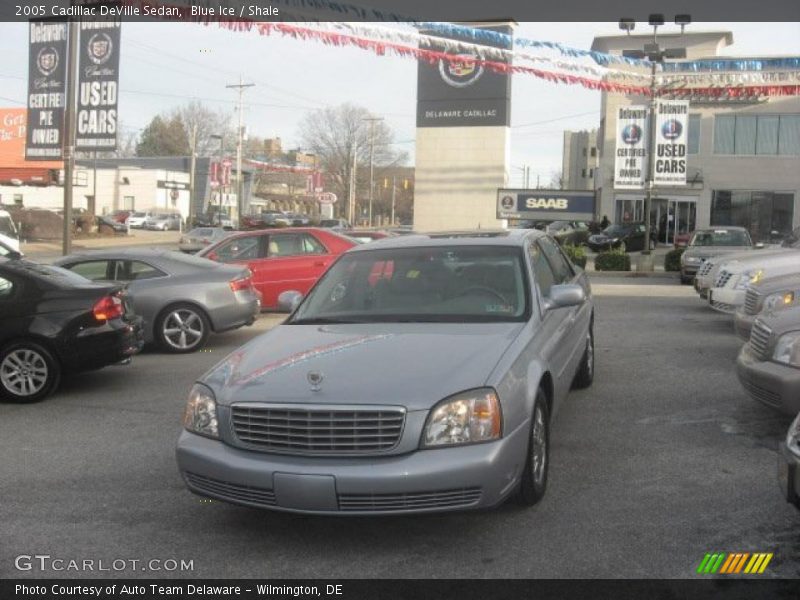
668,217
764,214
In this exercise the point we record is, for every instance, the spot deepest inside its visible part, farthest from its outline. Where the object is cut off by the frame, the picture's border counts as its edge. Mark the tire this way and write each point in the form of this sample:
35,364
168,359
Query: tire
181,328
533,484
585,375
42,369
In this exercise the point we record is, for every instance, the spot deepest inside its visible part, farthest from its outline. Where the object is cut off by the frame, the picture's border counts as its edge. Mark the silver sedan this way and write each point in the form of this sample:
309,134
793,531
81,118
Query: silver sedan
420,374
181,298
200,237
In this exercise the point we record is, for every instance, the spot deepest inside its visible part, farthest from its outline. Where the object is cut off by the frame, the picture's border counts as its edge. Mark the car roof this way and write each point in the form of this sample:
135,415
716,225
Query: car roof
719,227
476,237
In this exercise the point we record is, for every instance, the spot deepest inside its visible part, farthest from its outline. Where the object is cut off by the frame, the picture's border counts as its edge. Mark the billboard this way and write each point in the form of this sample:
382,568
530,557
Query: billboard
630,158
546,205
463,93
672,134
47,62
98,83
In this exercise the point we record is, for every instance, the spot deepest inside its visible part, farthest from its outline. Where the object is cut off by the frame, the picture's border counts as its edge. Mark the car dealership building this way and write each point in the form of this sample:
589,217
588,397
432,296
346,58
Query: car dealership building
743,164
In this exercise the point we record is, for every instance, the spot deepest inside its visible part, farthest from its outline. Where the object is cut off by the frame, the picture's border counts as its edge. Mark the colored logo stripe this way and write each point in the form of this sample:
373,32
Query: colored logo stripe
734,562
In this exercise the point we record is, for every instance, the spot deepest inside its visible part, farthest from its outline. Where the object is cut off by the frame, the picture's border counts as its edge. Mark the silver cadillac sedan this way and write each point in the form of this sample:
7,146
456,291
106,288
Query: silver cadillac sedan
420,374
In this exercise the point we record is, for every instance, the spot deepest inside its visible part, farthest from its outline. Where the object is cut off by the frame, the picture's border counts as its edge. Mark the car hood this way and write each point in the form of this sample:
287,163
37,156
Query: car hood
783,261
410,364
782,321
780,283
704,252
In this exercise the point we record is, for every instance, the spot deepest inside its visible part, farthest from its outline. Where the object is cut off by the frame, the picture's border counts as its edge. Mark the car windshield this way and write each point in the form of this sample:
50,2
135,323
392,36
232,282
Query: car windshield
720,237
458,284
616,230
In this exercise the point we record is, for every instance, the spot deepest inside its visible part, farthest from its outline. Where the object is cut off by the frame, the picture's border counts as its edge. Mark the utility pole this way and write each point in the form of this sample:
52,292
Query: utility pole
69,136
394,191
351,201
239,179
372,121
192,167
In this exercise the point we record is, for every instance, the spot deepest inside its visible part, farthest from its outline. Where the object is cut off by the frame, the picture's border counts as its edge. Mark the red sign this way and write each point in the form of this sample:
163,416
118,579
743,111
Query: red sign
326,198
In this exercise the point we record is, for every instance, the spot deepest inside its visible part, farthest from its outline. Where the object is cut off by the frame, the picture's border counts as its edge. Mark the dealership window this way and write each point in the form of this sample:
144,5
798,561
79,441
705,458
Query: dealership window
128,203
693,135
594,152
761,212
583,173
757,135
18,199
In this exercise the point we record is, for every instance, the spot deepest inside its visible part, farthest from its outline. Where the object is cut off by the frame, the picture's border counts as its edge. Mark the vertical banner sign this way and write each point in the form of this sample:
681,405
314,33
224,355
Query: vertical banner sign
630,161
672,134
47,89
98,83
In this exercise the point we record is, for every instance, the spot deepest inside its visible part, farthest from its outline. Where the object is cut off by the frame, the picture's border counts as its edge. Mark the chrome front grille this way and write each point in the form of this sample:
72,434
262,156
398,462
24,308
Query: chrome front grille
759,339
318,430
705,268
409,501
751,298
722,278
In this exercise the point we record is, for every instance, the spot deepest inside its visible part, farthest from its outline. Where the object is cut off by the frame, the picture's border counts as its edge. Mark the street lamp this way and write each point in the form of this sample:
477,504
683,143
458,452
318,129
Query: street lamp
653,52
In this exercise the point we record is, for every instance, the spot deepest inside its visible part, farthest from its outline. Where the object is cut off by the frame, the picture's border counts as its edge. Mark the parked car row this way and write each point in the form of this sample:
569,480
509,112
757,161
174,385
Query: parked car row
760,288
157,221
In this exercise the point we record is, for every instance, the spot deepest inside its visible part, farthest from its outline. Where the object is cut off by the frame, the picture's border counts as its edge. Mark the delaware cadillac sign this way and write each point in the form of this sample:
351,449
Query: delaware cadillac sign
461,92
545,205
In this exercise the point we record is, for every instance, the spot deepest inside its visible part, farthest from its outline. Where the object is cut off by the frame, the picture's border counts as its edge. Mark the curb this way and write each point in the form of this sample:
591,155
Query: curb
635,274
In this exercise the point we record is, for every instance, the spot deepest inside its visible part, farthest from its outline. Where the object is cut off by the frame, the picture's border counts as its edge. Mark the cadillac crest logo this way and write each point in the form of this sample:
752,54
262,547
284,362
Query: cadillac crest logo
461,73
99,48
315,380
47,60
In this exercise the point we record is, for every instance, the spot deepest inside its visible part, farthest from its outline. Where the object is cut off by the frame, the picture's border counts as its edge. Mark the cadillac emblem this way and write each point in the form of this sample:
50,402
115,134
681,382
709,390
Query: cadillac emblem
99,48
463,72
47,61
315,380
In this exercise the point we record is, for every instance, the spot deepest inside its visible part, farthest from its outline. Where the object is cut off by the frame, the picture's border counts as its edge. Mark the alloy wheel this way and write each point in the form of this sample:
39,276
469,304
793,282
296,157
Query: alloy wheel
24,372
183,329
538,446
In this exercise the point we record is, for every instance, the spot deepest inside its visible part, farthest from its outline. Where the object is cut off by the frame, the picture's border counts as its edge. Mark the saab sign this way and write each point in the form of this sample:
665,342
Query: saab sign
545,205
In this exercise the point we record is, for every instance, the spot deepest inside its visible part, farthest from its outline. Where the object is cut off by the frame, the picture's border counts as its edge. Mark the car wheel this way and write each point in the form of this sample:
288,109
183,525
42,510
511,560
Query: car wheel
585,374
534,476
28,372
182,328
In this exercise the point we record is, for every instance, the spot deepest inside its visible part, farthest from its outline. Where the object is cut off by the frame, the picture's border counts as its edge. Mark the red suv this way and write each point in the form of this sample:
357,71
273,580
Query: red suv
281,259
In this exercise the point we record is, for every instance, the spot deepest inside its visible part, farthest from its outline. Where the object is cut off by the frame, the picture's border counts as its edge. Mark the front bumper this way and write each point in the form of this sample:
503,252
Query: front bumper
789,474
743,323
444,479
689,271
725,300
773,384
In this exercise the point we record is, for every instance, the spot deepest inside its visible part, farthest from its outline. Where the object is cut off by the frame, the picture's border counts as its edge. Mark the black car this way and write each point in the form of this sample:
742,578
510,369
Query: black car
110,223
575,233
625,236
53,321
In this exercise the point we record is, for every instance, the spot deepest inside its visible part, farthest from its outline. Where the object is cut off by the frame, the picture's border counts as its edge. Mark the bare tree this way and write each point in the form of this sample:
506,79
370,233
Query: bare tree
331,133
208,123
556,179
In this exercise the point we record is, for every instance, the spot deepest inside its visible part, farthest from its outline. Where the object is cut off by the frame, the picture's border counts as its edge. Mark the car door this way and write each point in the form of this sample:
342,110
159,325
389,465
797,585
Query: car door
637,238
15,307
295,261
578,317
555,335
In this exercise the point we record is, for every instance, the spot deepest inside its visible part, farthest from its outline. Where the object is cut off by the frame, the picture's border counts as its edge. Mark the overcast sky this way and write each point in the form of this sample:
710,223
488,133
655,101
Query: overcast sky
166,64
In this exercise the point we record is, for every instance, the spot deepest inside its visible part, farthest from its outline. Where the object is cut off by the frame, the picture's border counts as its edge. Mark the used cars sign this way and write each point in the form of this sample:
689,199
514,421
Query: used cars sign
545,204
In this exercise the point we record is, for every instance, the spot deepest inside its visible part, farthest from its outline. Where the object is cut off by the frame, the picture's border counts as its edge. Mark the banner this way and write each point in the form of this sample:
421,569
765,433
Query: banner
47,83
672,126
98,84
547,205
630,159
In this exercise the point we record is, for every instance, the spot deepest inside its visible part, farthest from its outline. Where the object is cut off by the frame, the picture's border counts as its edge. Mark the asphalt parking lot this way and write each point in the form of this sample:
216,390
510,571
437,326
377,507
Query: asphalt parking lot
663,459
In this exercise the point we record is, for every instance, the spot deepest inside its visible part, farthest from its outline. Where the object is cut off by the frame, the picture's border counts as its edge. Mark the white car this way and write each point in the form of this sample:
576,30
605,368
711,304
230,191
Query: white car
136,220
734,277
8,231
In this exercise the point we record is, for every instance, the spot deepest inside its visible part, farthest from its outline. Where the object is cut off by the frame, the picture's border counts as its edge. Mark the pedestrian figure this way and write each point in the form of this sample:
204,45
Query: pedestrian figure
604,222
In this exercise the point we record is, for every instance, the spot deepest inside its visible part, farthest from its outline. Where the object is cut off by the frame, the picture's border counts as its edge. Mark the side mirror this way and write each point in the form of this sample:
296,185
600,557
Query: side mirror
289,300
562,296
759,245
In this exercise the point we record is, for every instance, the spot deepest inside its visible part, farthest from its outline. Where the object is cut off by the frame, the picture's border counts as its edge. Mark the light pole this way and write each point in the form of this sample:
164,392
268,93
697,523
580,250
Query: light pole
656,56
239,179
372,121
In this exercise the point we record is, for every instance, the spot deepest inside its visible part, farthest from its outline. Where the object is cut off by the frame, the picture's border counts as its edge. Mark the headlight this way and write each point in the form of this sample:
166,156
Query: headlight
748,277
787,350
780,300
200,415
793,437
691,260
466,418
